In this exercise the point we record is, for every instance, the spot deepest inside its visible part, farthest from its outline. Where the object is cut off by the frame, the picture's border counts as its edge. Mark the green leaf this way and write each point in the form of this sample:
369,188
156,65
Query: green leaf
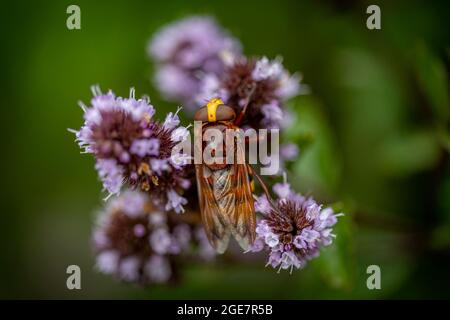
409,153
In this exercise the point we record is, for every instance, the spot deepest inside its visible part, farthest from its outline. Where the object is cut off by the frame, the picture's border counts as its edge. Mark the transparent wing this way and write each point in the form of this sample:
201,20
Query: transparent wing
215,224
243,219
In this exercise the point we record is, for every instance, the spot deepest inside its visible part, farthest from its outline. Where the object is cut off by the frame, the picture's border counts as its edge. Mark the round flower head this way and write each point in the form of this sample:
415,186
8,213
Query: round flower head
186,49
130,147
262,84
139,244
293,229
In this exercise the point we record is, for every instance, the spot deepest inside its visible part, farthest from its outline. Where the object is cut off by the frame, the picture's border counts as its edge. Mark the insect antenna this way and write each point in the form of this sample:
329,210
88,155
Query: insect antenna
247,102
265,189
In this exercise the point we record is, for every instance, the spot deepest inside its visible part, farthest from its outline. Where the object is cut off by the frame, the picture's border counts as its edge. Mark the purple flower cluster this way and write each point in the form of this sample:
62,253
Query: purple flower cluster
184,51
293,229
263,84
140,237
137,243
132,148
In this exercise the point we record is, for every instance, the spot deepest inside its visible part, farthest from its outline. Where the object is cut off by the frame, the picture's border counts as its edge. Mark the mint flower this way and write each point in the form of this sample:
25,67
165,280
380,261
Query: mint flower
293,230
135,242
186,49
132,148
262,83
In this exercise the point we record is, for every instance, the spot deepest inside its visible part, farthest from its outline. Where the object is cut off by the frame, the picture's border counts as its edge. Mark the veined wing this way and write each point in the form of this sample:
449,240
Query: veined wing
216,224
243,218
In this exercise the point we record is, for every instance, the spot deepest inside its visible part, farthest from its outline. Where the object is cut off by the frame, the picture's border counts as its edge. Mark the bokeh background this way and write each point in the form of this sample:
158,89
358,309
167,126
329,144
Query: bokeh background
373,133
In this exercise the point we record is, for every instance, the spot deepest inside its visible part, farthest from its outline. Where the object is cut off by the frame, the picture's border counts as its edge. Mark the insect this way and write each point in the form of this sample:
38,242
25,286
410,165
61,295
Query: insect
225,191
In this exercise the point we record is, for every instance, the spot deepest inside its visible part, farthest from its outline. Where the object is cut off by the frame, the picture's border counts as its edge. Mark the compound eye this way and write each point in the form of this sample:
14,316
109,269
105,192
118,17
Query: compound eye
215,113
201,115
225,113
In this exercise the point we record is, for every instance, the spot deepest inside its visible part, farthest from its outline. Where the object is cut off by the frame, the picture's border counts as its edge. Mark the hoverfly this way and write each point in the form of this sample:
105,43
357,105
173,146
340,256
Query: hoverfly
225,191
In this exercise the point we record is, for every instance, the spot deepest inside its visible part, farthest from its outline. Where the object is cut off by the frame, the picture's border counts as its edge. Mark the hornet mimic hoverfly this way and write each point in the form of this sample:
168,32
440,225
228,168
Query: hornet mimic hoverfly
225,191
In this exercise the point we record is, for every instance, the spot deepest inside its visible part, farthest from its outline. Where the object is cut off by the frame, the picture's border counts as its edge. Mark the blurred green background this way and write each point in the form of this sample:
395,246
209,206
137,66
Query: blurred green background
374,138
